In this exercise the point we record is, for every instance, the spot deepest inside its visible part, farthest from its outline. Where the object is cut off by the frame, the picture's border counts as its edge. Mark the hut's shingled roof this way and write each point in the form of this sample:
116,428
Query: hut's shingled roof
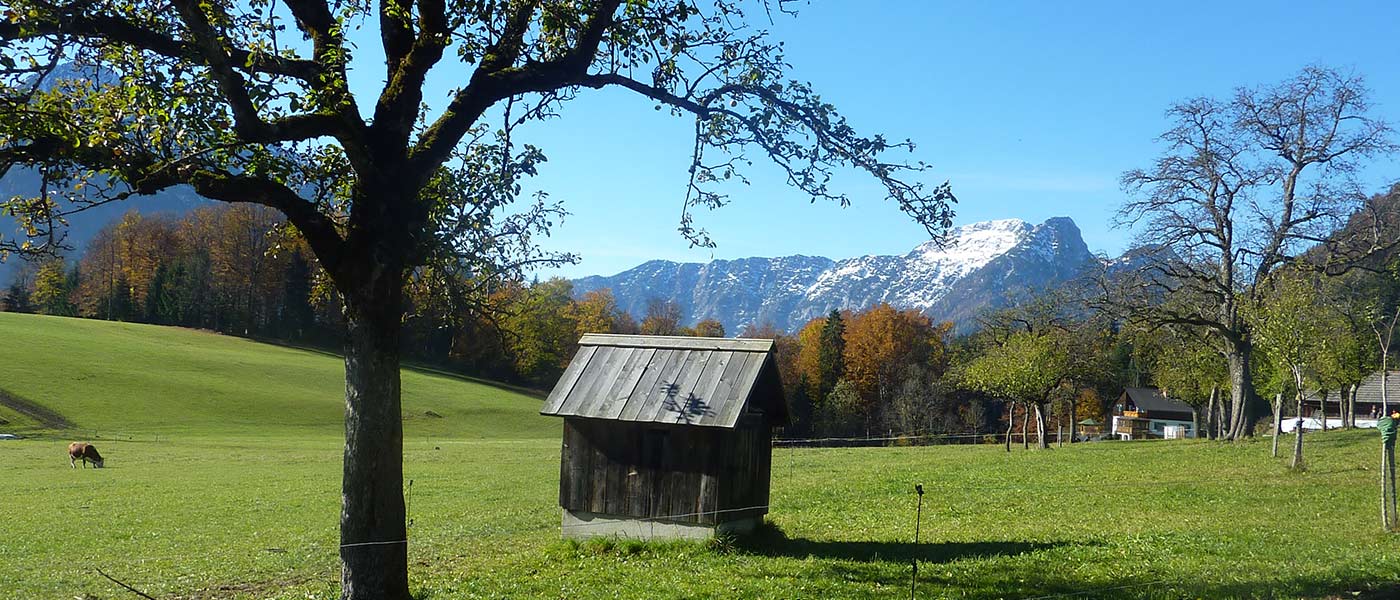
665,379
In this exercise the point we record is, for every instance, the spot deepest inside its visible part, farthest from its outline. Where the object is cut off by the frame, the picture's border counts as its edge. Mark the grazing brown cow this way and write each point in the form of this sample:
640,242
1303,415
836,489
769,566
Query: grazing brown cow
85,452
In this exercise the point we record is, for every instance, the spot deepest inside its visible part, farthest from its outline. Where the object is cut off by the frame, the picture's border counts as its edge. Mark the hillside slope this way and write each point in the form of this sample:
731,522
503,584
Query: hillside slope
122,378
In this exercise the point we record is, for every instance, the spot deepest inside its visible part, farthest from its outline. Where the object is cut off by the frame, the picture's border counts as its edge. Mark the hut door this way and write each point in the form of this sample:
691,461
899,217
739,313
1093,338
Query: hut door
655,445
654,448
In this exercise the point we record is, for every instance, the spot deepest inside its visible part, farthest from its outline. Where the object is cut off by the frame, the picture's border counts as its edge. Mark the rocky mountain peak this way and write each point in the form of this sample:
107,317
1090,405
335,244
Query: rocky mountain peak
980,265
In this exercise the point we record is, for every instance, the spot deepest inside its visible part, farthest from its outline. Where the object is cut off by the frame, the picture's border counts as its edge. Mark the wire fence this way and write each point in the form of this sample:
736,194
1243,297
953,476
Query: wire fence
1053,436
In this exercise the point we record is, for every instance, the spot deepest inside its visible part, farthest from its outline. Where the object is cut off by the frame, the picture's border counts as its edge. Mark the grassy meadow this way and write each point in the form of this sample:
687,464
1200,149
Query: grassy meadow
223,482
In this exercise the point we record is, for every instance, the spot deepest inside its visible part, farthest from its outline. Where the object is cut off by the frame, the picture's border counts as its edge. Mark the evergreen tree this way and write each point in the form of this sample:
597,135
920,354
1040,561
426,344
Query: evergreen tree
160,307
117,306
17,298
831,362
296,316
800,409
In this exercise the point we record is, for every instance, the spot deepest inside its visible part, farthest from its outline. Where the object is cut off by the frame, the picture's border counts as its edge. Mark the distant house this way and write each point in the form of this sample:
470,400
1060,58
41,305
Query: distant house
1368,402
1368,394
1147,413
666,436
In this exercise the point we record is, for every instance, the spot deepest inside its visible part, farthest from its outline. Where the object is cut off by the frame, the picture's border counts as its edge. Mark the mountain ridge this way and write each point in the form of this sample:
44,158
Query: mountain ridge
985,265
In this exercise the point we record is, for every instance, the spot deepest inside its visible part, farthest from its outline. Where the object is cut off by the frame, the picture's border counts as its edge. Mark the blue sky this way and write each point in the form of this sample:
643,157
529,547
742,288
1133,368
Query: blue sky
1030,109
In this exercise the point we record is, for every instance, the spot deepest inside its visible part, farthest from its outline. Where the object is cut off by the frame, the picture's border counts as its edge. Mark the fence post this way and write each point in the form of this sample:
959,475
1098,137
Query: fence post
918,519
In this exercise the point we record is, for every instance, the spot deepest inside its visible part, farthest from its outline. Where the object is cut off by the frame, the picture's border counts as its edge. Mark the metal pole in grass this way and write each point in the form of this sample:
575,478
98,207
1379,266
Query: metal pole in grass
918,519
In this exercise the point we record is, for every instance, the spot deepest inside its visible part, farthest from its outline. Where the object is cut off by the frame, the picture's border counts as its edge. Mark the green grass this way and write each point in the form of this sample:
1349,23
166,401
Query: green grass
247,506
118,379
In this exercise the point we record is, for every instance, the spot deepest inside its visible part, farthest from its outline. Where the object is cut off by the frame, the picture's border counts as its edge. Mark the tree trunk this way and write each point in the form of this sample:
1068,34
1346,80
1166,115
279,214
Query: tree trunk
1351,401
1195,421
1245,408
1026,426
1342,406
1322,406
1388,516
1385,376
1298,435
373,536
1278,420
1010,422
1213,413
1223,425
1041,426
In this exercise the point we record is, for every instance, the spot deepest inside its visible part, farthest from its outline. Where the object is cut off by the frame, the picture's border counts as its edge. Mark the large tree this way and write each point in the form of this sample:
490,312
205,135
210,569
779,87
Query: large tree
249,102
1244,187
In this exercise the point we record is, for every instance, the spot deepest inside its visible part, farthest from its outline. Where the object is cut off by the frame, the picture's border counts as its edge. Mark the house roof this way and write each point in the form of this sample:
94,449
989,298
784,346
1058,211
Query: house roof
1369,391
1152,400
1370,388
706,382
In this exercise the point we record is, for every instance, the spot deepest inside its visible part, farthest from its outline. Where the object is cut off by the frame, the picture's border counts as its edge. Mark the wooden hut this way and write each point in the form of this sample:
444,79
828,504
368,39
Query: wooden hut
666,436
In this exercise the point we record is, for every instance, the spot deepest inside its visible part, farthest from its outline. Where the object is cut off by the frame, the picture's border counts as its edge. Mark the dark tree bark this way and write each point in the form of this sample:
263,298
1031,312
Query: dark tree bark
1388,516
1322,408
1342,408
1026,426
1246,408
374,551
1223,425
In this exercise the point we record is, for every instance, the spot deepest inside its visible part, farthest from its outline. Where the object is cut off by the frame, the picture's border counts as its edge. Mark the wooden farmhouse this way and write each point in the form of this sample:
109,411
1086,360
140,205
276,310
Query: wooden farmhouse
1147,413
666,436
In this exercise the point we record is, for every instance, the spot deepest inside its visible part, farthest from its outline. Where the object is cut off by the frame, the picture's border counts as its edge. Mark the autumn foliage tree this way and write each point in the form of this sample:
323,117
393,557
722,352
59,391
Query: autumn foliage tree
808,361
53,289
709,328
879,340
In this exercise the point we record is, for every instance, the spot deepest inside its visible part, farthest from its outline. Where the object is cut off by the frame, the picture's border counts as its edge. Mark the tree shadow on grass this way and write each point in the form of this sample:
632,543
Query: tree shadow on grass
769,540
886,565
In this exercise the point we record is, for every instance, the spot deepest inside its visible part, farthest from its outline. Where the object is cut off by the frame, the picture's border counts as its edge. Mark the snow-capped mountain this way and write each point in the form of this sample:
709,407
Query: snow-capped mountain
983,265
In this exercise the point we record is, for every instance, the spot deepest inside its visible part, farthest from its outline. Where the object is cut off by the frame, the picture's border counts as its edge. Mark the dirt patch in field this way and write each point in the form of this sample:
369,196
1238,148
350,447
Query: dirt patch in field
47,418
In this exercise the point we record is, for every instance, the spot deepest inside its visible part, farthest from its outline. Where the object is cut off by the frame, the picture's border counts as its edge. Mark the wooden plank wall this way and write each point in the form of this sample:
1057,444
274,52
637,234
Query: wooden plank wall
611,467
